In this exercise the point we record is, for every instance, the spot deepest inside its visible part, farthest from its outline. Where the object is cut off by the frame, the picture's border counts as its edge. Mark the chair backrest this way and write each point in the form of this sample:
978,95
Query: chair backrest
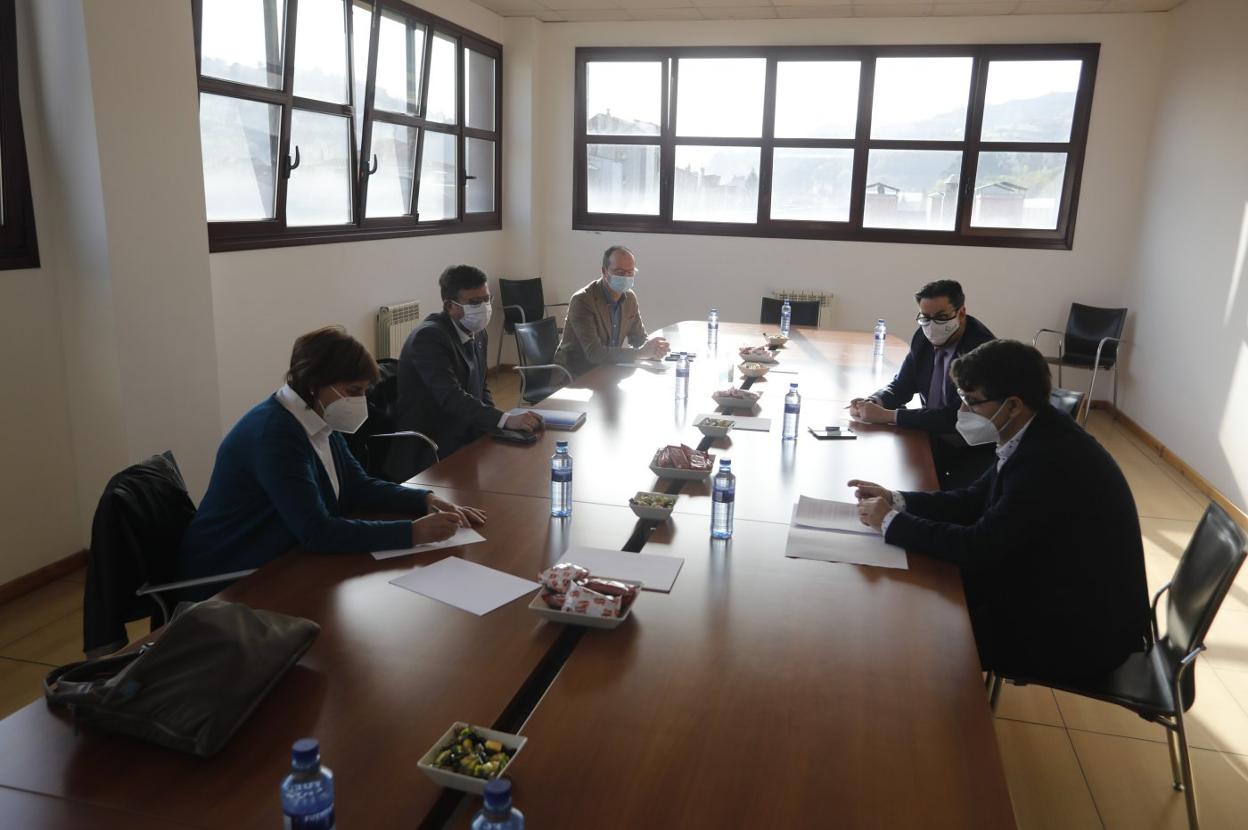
528,295
1067,400
383,403
1204,576
1087,325
803,312
537,341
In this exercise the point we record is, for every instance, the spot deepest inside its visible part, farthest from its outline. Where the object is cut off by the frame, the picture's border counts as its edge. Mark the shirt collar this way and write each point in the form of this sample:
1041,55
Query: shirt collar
305,415
1004,451
464,336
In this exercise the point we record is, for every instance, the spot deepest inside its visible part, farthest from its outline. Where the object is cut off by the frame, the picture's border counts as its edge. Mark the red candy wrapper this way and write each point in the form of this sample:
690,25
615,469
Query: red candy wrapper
554,600
582,600
561,577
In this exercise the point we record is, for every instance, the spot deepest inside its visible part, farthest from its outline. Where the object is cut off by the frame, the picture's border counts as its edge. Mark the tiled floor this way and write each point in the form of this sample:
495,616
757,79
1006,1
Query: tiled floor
1071,762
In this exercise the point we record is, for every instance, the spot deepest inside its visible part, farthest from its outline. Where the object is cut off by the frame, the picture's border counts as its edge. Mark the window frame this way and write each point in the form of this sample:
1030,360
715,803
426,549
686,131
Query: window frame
19,245
275,233
1062,238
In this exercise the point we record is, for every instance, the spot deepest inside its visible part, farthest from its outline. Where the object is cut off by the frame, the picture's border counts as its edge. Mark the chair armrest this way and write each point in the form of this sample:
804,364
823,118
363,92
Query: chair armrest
407,434
518,308
555,305
1061,340
191,583
555,366
1101,345
1157,599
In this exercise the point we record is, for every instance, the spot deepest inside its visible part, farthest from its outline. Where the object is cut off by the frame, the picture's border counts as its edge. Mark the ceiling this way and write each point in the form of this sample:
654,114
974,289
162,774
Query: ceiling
558,11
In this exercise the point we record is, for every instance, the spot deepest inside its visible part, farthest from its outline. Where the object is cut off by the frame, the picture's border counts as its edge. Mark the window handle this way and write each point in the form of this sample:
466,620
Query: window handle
468,178
292,164
373,168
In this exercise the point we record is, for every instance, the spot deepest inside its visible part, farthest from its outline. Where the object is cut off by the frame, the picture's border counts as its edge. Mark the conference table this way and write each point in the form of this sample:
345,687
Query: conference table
762,691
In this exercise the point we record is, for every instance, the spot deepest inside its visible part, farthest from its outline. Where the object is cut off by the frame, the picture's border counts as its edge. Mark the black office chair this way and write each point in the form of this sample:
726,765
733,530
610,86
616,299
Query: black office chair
1159,685
135,534
1090,342
373,444
1067,400
536,343
523,301
802,312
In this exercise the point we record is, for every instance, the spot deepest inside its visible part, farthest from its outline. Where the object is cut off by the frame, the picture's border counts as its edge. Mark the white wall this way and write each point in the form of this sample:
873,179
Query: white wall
1188,383
1014,291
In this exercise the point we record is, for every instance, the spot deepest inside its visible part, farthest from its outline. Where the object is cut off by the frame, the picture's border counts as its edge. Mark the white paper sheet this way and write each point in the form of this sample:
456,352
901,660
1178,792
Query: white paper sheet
738,421
465,585
463,536
655,573
849,548
555,418
824,514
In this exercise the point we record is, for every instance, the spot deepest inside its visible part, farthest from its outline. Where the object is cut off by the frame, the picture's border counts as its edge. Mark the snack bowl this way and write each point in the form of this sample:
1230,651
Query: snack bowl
734,403
711,430
776,341
459,781
756,354
651,511
753,369
568,618
683,475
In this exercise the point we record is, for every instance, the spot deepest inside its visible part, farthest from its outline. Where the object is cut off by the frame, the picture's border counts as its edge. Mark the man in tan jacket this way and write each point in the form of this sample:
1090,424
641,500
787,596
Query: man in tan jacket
604,324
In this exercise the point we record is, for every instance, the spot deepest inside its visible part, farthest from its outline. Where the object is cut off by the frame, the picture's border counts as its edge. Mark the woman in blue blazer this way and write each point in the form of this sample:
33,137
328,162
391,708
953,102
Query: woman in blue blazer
284,476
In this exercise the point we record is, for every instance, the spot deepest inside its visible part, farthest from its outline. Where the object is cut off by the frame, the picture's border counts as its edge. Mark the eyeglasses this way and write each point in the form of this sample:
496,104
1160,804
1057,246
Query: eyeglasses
971,403
474,303
943,317
632,273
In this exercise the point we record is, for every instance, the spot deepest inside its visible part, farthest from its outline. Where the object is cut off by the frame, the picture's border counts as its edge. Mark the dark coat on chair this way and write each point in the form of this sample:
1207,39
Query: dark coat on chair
442,393
1050,552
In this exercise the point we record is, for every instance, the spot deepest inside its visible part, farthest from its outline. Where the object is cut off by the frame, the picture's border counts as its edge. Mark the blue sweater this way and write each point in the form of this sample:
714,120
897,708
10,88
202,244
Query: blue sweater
269,493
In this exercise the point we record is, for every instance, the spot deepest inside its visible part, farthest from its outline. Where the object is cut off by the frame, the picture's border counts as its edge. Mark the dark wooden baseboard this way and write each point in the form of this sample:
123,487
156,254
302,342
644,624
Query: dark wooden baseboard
37,579
1166,454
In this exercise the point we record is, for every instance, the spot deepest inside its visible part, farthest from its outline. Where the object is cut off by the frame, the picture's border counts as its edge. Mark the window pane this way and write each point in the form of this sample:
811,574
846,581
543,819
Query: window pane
239,140
921,98
623,98
623,178
721,97
811,184
1030,100
442,80
816,99
319,189
479,195
437,178
321,51
390,188
479,87
361,20
400,57
912,189
242,41
716,184
1018,190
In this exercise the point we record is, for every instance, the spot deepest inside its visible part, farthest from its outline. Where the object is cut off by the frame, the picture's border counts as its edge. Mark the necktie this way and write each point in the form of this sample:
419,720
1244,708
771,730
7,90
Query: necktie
936,392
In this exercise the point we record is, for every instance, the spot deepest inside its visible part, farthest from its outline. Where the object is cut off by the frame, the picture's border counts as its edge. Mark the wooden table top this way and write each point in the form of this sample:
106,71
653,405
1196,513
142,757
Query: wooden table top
782,687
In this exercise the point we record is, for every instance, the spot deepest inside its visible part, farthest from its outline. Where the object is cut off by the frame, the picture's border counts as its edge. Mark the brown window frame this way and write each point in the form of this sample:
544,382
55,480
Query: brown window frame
1062,238
19,246
274,233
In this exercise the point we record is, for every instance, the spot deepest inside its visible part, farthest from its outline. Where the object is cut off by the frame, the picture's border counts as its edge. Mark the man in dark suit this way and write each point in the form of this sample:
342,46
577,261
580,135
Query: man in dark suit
1048,538
442,387
945,333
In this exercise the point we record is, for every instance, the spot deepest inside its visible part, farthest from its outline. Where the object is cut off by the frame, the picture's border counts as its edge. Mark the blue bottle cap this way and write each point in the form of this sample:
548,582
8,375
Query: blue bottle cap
561,445
306,752
725,462
792,385
498,794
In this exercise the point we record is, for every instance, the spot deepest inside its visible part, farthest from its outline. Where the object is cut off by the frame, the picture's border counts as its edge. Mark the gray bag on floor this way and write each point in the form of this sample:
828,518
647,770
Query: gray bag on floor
193,687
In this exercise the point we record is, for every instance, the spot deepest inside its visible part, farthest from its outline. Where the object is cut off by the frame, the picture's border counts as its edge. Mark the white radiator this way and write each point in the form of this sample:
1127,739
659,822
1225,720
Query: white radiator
824,298
394,324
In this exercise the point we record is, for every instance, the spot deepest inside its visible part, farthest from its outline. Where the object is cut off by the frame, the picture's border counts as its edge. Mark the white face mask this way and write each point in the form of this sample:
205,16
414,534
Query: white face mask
975,429
939,333
346,414
620,285
476,317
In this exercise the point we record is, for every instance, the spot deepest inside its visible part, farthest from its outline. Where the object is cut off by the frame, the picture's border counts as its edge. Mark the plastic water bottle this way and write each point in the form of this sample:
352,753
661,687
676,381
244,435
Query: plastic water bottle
712,325
792,409
723,498
682,376
881,334
308,792
498,814
786,318
561,481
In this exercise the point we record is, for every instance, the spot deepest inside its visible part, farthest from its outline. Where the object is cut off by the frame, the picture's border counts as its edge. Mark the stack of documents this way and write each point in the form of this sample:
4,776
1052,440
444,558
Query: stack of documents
556,418
830,531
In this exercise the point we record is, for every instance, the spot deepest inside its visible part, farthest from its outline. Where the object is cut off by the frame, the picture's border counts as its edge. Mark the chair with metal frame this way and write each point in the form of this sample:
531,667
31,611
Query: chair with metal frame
523,301
802,312
372,443
1090,342
536,344
1067,400
1159,684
